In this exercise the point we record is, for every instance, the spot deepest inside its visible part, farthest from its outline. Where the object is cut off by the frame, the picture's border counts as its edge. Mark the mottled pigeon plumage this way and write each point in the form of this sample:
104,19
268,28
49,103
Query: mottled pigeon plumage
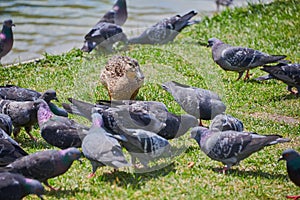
292,159
6,123
58,131
10,150
288,73
230,147
239,59
15,186
22,114
166,30
201,103
147,115
12,92
43,165
6,38
102,149
117,15
225,122
145,146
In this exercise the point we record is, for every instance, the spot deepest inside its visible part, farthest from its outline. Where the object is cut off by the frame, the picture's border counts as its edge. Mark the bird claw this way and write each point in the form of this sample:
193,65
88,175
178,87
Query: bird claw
191,164
293,197
91,175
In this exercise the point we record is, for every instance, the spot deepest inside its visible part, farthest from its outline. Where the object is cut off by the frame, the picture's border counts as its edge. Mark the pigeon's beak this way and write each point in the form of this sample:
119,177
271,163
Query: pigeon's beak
41,197
80,161
281,158
56,99
13,25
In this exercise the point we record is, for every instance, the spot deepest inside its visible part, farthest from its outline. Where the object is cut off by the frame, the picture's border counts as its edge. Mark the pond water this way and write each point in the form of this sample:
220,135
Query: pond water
56,26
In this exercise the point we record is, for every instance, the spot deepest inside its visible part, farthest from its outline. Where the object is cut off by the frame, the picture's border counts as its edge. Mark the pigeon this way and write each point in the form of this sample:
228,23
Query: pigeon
239,59
147,115
145,146
22,114
117,15
6,38
58,131
12,92
292,159
230,147
45,164
101,148
288,73
201,103
105,35
16,186
223,3
10,150
166,30
225,122
6,123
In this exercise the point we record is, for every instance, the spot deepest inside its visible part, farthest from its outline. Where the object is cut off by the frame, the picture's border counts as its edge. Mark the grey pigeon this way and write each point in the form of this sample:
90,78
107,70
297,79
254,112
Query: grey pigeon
58,131
230,147
166,30
288,73
22,114
102,149
12,92
43,165
16,186
117,15
239,59
6,38
201,103
10,150
147,115
223,3
105,35
292,159
225,122
145,146
6,123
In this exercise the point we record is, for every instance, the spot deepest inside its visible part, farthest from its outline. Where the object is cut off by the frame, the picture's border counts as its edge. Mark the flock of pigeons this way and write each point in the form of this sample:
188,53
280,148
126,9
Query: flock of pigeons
143,128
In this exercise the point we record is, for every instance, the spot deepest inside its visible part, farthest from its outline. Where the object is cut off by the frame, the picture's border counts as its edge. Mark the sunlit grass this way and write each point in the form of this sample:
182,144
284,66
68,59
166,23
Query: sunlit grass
270,28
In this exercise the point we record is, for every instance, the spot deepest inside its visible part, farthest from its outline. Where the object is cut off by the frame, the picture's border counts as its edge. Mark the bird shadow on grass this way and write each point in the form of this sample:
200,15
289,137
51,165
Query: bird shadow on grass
63,193
135,180
256,173
284,97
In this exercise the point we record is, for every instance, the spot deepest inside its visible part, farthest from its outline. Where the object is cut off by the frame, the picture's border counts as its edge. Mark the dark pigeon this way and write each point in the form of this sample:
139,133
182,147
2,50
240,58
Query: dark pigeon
166,30
22,114
239,59
58,131
223,3
102,149
44,165
292,159
117,15
201,103
225,122
288,73
105,35
6,38
10,150
16,186
230,147
6,123
12,92
147,115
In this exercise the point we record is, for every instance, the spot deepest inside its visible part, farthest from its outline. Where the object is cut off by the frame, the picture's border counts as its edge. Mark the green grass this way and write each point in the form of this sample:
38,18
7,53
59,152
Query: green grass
270,28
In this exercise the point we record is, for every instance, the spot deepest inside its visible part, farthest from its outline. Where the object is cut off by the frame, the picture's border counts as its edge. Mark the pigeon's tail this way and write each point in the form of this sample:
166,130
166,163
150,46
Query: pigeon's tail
79,108
264,78
274,58
185,21
275,139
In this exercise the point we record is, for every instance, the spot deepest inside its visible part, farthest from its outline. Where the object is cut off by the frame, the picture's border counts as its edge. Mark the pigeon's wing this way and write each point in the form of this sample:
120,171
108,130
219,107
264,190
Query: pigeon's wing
103,31
6,123
16,93
229,144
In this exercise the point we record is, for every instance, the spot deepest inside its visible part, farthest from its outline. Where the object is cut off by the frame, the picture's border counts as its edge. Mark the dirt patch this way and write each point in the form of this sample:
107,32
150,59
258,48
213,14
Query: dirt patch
277,118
